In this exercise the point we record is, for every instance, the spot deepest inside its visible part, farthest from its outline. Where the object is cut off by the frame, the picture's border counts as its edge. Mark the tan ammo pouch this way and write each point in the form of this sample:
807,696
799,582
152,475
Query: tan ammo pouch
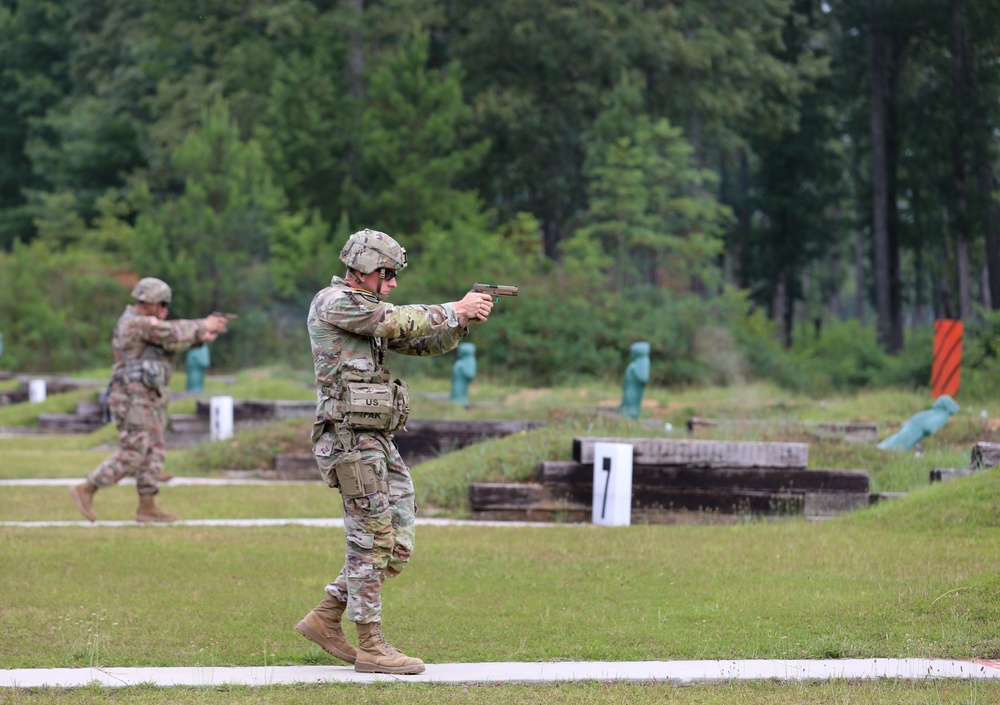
151,373
376,407
400,404
357,479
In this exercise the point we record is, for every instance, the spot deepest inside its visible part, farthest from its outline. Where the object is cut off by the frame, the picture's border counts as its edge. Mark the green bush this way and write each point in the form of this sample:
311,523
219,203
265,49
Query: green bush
845,356
57,309
552,334
981,357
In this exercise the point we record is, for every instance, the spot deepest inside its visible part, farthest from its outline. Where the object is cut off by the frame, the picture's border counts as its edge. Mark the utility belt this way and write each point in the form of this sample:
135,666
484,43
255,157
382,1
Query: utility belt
359,407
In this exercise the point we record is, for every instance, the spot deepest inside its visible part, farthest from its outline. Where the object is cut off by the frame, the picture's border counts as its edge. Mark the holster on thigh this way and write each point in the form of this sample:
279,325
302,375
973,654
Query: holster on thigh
357,478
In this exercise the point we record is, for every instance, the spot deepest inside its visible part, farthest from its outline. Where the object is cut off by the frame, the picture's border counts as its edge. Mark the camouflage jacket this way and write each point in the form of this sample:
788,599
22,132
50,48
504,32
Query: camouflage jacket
350,330
146,349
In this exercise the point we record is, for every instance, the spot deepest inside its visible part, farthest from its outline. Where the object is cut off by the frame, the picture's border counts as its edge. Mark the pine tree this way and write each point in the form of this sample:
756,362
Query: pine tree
211,241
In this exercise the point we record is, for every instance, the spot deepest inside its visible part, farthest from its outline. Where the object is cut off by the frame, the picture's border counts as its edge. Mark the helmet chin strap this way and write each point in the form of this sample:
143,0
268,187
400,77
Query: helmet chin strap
377,294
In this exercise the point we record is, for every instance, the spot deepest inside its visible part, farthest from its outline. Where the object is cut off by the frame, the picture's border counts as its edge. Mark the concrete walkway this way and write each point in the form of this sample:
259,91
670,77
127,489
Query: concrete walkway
175,482
674,672
321,523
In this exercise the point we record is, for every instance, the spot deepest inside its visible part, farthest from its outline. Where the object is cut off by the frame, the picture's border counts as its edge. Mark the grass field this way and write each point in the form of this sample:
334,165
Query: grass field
847,693
915,577
886,692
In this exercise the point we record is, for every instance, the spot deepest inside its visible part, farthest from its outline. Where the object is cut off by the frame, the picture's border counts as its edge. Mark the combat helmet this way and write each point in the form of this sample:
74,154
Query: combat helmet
150,290
369,250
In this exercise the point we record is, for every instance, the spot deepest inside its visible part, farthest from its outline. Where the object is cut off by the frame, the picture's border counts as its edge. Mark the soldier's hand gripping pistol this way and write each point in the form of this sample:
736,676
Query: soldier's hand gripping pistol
230,317
494,291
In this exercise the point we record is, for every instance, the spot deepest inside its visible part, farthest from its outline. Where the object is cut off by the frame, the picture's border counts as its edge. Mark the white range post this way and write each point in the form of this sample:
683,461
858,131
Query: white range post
221,418
36,391
612,484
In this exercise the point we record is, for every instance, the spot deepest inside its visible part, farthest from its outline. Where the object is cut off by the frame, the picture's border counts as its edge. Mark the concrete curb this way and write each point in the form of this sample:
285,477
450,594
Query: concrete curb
175,482
674,672
316,523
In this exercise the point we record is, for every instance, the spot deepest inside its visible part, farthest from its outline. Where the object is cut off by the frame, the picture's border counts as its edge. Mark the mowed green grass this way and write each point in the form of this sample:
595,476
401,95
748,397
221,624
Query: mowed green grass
913,578
883,692
277,501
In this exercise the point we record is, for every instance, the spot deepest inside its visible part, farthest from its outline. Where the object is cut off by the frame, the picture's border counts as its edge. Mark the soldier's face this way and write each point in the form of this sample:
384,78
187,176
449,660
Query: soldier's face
160,310
377,285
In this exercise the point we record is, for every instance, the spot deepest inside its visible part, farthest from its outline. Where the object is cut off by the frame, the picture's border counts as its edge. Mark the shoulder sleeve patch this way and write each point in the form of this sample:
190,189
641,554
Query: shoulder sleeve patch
363,297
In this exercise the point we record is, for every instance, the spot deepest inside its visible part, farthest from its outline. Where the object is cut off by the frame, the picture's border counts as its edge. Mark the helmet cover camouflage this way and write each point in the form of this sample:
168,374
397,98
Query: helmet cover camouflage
150,290
369,250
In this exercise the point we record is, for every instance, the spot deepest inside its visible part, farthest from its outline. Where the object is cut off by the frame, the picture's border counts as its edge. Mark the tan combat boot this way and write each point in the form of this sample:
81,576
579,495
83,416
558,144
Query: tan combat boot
149,512
322,626
83,495
375,655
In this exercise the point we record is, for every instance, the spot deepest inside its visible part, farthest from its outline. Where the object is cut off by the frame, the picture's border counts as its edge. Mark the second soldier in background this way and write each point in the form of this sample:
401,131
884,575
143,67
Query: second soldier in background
146,346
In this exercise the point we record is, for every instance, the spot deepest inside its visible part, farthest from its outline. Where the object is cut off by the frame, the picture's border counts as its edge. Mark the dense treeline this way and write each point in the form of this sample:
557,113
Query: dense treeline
709,176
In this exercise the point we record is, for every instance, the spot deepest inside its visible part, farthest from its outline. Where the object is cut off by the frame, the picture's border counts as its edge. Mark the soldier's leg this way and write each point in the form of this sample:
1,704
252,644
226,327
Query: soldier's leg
147,476
369,521
322,625
148,473
132,446
402,506
369,534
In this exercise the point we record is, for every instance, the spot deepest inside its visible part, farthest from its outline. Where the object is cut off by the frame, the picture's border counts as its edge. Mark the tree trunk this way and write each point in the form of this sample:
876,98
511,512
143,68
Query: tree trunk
892,211
919,296
740,196
947,295
789,313
992,232
778,305
356,54
880,211
355,80
958,67
983,133
859,275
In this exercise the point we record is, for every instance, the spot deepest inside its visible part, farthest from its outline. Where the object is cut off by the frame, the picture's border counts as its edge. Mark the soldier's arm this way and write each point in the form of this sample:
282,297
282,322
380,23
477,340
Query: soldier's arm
363,314
179,334
436,344
473,306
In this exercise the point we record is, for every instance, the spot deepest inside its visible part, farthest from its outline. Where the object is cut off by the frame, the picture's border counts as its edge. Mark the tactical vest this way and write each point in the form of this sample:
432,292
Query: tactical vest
366,401
150,368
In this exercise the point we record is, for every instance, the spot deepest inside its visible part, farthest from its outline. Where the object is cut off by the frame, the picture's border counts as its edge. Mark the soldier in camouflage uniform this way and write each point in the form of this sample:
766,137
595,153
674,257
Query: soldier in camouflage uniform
146,347
351,326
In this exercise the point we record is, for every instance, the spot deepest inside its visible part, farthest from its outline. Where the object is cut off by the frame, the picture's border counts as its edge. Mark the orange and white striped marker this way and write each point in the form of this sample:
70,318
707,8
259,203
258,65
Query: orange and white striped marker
946,368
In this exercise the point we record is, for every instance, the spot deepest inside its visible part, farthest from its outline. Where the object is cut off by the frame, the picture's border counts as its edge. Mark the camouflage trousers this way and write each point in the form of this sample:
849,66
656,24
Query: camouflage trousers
379,528
141,418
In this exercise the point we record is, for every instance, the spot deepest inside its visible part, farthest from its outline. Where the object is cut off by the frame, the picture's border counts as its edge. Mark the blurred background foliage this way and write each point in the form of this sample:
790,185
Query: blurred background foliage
774,189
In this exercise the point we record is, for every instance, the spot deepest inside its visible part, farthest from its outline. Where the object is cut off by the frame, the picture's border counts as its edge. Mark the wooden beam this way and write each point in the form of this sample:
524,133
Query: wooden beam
985,455
721,454
488,496
773,479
